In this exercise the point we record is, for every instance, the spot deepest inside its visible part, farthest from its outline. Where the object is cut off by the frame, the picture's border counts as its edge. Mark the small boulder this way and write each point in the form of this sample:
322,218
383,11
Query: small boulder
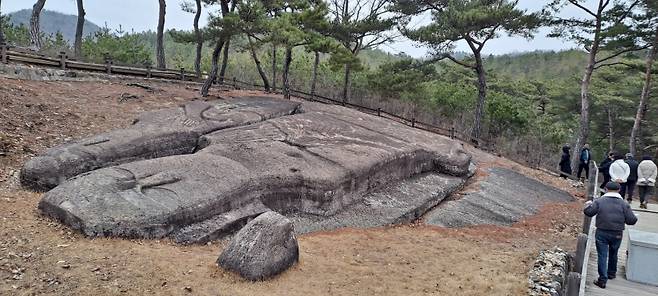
265,247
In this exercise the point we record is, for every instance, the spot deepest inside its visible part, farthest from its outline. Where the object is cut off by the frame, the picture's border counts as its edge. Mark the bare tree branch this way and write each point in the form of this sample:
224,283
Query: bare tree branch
614,64
614,55
491,34
454,60
627,12
575,3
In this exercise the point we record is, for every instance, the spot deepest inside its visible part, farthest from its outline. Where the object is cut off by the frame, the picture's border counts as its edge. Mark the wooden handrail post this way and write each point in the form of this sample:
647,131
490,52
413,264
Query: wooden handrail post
108,64
3,51
573,284
413,122
182,73
581,245
149,68
379,112
452,132
62,60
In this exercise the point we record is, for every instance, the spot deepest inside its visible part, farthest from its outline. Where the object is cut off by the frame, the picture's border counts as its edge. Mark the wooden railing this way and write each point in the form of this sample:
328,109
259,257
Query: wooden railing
62,61
576,279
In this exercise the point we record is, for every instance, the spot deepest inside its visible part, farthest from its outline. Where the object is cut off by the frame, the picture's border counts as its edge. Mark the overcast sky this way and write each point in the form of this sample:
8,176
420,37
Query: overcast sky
142,15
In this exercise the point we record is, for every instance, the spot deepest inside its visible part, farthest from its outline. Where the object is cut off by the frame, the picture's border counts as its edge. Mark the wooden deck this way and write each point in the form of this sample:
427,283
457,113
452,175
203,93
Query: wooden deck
647,221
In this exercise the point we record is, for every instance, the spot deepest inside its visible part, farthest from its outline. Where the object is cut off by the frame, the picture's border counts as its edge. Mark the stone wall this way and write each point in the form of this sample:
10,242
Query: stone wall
548,275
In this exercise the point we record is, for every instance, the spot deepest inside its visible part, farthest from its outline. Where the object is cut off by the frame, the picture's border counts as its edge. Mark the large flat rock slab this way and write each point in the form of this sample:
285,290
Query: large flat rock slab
396,203
504,197
154,134
316,162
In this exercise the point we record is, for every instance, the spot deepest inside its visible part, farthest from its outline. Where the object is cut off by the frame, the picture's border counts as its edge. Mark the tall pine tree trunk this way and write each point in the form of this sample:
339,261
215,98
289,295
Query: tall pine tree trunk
611,129
347,83
35,33
262,74
286,73
199,40
79,29
222,71
314,80
646,90
159,48
482,97
274,67
2,34
214,69
583,131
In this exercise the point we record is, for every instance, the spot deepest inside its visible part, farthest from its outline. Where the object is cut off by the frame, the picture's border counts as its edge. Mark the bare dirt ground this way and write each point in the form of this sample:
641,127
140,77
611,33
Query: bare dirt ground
42,257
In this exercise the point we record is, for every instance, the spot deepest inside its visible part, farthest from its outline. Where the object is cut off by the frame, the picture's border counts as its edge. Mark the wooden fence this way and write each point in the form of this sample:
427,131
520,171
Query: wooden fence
576,278
21,55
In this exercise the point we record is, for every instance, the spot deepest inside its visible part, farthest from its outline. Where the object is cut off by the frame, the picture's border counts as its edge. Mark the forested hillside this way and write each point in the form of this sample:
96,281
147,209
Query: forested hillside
533,99
538,64
53,22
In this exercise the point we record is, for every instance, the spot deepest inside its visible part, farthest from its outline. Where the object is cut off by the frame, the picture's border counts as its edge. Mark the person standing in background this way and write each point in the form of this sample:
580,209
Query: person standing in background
585,156
565,162
629,187
646,179
604,168
619,171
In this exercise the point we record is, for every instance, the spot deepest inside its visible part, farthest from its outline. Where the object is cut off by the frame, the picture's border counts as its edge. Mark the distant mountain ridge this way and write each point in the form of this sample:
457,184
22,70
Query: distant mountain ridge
52,22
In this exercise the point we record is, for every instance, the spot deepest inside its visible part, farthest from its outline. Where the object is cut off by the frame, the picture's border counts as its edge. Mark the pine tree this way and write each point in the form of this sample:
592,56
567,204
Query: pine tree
651,26
220,28
474,21
159,49
360,25
2,23
607,30
298,23
253,23
79,29
35,33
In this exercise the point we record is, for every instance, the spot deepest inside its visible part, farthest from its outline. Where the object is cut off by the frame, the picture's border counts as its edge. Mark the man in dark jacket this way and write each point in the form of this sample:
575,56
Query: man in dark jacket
612,213
565,162
604,168
585,156
628,188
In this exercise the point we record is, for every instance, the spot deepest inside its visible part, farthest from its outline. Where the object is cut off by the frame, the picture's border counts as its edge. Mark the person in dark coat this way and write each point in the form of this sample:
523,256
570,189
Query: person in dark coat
628,188
612,214
585,157
565,162
604,168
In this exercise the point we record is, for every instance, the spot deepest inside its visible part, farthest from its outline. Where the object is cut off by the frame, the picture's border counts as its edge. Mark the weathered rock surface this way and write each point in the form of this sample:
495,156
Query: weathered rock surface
396,203
504,197
548,275
265,247
316,162
219,226
155,134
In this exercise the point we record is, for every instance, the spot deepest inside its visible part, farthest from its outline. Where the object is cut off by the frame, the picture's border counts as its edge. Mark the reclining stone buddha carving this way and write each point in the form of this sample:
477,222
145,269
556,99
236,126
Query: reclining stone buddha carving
312,158
153,134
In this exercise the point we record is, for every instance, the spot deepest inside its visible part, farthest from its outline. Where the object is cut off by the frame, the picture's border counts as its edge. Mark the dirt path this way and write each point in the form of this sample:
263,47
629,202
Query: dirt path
39,256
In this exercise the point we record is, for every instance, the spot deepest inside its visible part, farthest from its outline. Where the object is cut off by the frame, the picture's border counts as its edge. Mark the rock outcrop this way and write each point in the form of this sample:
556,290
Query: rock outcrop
155,134
265,247
504,197
316,162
